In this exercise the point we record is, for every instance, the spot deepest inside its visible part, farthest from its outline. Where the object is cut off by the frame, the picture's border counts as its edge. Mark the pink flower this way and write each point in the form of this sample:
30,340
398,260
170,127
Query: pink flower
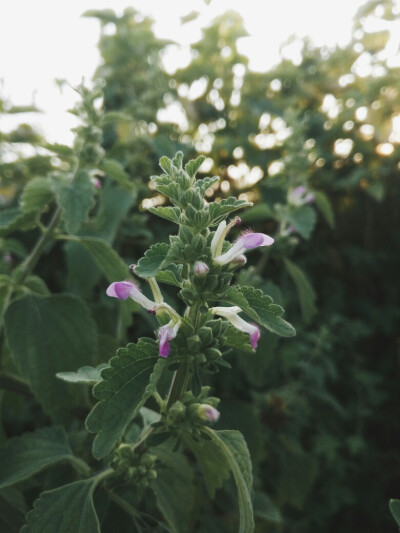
127,289
247,241
200,269
165,334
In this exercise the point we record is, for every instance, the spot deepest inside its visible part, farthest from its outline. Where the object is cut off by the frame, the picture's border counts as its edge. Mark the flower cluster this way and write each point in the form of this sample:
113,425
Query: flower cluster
233,256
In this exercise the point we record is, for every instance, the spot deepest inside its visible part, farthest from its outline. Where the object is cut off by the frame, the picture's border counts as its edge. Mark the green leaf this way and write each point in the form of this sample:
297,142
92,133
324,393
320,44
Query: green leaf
23,457
174,489
302,218
219,210
65,510
12,510
125,387
87,375
233,446
47,335
260,308
171,275
193,166
166,164
168,213
76,199
204,184
151,262
115,170
325,207
265,509
237,339
258,213
36,195
107,259
36,285
305,292
394,506
61,149
213,463
16,219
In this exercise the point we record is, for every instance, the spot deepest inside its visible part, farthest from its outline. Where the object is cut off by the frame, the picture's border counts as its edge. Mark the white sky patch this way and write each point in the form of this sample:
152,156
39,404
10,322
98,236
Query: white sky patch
44,40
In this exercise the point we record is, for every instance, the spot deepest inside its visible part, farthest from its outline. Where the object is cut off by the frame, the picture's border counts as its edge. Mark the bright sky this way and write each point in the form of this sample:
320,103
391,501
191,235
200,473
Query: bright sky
42,40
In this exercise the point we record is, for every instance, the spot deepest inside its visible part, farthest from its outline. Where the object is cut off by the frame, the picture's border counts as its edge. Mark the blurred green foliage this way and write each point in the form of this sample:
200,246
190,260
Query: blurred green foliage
319,412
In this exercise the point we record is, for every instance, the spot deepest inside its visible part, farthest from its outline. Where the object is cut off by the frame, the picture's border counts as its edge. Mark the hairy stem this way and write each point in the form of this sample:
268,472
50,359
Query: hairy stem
30,262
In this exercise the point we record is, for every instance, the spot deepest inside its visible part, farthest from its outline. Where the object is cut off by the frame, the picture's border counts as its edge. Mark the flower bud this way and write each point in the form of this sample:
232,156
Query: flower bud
200,269
208,413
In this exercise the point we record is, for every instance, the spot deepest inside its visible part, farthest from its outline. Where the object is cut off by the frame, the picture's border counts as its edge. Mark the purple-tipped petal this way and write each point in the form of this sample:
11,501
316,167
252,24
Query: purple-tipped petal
208,412
120,289
254,240
254,337
200,268
166,334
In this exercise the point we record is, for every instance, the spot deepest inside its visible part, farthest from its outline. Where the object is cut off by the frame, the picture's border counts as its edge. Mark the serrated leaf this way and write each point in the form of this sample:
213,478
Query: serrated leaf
36,285
36,195
107,259
168,213
171,275
234,449
65,510
75,197
260,308
193,166
126,385
16,219
151,262
325,207
394,506
219,210
47,335
23,457
116,171
174,489
305,292
204,184
87,375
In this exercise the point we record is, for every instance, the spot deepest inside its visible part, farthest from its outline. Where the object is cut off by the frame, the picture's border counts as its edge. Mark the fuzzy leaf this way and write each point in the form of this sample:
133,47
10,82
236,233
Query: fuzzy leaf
174,489
394,506
107,259
204,184
325,207
193,166
219,210
236,455
303,219
47,335
36,195
171,275
64,510
168,213
116,171
87,375
126,385
24,456
151,262
305,291
233,338
76,198
260,308
16,219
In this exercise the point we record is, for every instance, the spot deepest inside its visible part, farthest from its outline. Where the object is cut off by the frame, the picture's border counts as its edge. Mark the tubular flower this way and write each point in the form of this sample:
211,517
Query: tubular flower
200,269
300,196
165,334
231,314
220,234
127,289
247,241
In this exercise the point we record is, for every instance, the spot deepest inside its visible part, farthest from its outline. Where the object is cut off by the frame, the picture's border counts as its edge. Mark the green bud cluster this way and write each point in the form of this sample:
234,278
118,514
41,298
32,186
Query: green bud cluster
186,415
134,467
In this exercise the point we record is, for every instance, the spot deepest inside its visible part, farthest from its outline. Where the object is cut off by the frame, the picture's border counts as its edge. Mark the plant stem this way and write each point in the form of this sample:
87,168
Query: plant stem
30,262
124,504
179,384
14,383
